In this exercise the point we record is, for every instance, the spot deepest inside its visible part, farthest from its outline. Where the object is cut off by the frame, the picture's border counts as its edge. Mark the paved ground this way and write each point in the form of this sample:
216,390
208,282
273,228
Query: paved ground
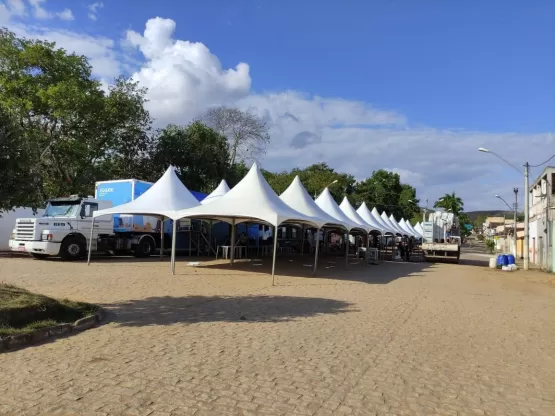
395,339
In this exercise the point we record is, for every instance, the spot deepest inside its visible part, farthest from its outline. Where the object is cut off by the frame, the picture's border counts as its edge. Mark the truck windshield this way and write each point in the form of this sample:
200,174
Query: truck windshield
63,209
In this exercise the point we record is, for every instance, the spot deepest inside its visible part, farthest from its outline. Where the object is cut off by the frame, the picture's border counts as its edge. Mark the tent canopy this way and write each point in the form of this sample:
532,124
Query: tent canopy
418,228
251,200
391,225
163,198
412,230
221,190
326,202
298,198
405,227
383,222
350,212
394,222
367,216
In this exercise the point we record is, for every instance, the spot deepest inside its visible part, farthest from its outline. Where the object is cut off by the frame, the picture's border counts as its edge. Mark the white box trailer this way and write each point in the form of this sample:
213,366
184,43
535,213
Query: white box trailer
441,240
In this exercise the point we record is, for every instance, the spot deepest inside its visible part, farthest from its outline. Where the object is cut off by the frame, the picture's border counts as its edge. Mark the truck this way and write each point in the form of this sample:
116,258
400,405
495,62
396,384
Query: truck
441,240
64,228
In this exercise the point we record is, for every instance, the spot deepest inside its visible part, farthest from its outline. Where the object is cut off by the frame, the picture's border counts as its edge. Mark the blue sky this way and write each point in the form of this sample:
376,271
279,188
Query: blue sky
428,81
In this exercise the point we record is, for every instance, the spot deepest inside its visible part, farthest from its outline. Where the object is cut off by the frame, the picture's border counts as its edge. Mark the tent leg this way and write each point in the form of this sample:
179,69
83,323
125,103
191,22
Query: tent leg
274,258
232,258
210,238
347,250
316,251
90,243
248,240
302,244
161,238
174,237
367,246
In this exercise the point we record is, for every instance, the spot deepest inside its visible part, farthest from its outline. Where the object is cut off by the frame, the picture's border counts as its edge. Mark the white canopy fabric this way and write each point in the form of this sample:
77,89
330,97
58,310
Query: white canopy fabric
298,198
326,202
350,212
404,226
383,221
251,200
410,227
163,198
367,216
418,228
386,219
396,225
221,190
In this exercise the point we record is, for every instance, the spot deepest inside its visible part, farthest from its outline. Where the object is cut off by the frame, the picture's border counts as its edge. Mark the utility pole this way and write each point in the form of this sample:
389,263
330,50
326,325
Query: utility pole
526,215
514,225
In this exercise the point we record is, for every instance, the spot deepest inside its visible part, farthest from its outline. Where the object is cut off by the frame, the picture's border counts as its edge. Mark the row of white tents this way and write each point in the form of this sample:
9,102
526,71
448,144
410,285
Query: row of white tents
253,200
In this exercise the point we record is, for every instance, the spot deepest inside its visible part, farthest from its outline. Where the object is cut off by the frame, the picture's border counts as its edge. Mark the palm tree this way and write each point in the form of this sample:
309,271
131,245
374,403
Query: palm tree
450,202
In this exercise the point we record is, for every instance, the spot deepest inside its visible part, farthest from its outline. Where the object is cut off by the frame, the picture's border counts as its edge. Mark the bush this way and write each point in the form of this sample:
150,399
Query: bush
490,245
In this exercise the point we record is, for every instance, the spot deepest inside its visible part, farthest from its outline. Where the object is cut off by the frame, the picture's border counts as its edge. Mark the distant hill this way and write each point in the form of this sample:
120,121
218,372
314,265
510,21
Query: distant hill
493,213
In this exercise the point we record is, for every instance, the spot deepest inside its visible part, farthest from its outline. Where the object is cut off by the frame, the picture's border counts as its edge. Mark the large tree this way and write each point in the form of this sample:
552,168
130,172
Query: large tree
450,202
199,154
70,130
247,134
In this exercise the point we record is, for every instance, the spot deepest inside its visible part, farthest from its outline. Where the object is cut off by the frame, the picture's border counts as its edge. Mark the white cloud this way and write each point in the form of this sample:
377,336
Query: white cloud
184,78
39,12
93,10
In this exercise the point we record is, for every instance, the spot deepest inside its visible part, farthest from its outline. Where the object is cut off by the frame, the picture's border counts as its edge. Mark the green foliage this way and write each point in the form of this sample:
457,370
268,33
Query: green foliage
451,203
464,219
490,246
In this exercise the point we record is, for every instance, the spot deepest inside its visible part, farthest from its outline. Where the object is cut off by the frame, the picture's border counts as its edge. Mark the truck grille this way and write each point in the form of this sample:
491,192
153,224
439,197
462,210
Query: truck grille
25,231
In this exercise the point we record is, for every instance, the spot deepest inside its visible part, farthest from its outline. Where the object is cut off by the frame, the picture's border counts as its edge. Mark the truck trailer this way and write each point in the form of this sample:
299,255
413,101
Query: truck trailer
441,240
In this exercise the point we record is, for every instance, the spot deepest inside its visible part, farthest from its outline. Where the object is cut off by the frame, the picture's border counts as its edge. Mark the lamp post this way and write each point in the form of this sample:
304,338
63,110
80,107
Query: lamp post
526,203
330,184
514,214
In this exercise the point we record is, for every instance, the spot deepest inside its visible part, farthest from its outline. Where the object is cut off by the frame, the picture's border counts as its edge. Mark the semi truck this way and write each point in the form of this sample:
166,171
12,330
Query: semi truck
64,228
441,240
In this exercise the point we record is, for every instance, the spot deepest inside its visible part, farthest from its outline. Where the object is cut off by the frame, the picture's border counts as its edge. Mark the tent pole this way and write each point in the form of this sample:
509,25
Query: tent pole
232,241
210,238
347,250
90,243
248,240
367,247
316,251
302,244
174,237
274,258
161,237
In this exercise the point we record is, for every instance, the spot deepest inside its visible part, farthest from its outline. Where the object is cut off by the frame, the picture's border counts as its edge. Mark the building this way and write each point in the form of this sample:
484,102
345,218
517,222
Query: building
542,212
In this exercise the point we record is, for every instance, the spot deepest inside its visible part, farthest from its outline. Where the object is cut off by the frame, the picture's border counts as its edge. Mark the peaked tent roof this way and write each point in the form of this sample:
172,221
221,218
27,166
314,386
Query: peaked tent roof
350,212
404,226
164,197
418,228
326,202
298,198
396,225
221,190
367,216
387,226
410,227
252,199
391,225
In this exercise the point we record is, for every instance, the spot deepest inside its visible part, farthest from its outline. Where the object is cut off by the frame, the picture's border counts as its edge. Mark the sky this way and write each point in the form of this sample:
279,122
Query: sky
415,87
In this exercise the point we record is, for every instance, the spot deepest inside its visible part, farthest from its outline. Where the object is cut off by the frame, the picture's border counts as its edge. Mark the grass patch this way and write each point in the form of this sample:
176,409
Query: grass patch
22,311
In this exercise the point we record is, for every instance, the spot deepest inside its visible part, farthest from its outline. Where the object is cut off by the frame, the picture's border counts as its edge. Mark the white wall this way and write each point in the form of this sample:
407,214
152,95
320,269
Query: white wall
7,224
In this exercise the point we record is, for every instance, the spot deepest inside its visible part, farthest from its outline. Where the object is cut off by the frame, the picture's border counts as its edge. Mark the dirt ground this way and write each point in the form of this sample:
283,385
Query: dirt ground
393,339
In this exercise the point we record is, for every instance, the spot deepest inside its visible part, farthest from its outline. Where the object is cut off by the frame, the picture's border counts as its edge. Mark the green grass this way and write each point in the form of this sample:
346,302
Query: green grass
22,311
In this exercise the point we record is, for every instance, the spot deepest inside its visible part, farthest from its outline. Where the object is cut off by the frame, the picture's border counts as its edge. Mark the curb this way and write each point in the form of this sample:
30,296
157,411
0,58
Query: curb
12,342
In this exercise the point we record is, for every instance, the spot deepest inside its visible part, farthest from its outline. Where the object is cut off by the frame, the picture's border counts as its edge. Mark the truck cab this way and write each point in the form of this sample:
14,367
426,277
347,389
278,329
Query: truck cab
63,230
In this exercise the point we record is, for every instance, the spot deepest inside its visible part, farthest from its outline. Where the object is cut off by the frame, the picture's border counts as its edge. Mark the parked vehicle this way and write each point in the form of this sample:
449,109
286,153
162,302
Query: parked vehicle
441,240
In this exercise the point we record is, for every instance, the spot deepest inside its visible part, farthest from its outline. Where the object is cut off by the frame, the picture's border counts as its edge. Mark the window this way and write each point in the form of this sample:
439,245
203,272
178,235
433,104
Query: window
88,209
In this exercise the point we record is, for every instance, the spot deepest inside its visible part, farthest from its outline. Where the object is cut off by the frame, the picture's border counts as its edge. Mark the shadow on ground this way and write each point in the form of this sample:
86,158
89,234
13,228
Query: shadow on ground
167,310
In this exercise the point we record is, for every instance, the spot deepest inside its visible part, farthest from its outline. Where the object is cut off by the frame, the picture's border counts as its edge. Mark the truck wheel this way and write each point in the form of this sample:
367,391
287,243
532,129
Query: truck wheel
72,249
145,247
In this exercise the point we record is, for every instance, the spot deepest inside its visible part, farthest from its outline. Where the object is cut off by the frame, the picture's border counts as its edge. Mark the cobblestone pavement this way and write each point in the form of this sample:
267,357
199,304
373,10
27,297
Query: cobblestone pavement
394,339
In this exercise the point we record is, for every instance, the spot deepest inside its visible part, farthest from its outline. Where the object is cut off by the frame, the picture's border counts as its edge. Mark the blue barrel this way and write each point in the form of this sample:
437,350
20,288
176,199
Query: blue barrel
511,259
505,260
500,260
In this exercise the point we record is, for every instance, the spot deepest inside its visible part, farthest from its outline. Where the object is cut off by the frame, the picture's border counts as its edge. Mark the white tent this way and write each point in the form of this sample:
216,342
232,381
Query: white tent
411,228
404,226
251,200
396,225
418,228
162,199
367,216
221,190
298,198
385,222
350,212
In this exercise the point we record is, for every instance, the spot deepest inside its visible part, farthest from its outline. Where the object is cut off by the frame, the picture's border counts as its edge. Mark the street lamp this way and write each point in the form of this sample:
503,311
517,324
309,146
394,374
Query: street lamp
514,209
330,184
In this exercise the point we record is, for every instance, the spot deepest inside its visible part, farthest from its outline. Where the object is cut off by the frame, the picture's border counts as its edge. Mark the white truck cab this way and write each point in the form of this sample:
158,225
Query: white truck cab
63,230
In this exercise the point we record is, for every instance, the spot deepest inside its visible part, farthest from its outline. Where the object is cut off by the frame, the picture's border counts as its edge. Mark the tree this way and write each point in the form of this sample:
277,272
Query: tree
464,219
199,154
71,131
247,134
450,202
